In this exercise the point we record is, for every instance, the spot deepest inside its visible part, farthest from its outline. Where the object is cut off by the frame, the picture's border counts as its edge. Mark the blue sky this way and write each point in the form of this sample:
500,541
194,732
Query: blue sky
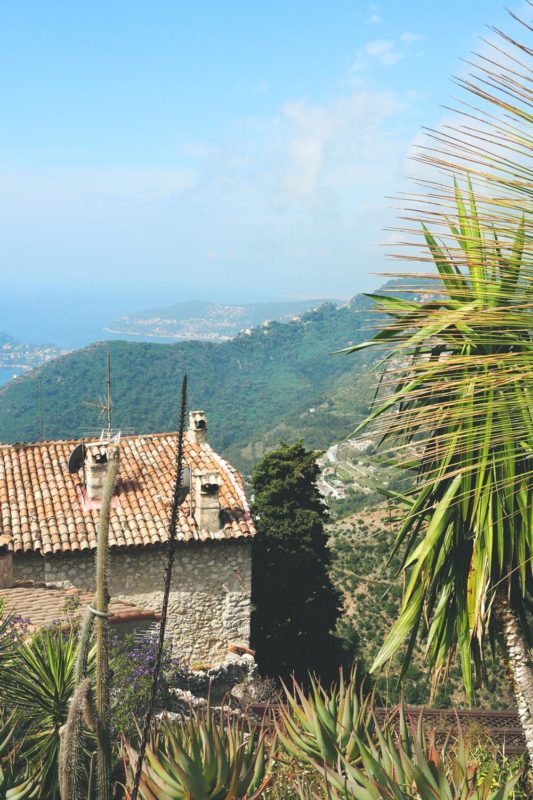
170,150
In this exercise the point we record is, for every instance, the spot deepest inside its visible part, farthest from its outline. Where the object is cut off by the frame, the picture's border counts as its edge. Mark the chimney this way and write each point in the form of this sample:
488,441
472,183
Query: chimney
96,465
197,432
6,564
207,501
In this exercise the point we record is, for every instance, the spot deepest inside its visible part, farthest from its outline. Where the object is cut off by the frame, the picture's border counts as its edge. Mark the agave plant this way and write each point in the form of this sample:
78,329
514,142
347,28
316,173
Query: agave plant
14,785
210,756
407,766
319,726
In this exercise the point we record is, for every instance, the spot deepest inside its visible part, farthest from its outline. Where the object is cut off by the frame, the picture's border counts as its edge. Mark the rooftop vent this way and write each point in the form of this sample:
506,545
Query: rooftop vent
197,432
94,458
207,501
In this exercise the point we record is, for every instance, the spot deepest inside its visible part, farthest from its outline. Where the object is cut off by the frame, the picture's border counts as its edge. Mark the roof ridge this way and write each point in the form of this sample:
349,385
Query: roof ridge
47,442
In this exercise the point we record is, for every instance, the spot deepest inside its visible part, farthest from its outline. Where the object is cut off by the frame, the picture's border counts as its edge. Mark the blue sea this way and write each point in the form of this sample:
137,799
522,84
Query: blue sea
65,319
6,374
75,317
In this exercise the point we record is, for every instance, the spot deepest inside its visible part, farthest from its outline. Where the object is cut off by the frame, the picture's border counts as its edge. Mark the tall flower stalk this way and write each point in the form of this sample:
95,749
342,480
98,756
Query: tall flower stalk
102,685
86,711
171,554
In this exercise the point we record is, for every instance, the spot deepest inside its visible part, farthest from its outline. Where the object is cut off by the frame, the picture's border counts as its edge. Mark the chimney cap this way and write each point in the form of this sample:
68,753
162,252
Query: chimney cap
198,419
208,480
197,431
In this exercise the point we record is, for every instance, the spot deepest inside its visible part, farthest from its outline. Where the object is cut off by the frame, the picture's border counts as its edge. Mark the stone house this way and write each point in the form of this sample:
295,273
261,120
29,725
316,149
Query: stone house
50,501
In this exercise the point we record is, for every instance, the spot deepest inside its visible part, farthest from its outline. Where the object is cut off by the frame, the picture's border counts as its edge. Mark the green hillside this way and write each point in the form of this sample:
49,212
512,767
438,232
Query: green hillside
361,546
278,381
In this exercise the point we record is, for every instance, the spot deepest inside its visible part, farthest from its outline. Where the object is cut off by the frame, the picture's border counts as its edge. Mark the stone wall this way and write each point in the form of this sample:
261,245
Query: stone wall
28,567
209,600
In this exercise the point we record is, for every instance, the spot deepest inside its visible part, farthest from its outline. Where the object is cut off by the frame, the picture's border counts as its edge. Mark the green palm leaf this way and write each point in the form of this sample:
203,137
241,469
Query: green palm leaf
460,356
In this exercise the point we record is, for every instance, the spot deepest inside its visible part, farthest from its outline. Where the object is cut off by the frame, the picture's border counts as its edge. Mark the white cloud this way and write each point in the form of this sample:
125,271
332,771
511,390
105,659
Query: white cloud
383,50
327,148
386,52
410,37
373,19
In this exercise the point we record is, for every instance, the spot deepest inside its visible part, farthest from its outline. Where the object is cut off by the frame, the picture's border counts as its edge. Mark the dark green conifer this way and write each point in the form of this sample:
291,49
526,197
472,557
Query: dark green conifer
295,604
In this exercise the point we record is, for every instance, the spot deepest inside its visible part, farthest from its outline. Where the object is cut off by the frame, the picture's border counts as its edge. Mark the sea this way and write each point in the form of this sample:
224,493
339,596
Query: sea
6,374
74,317
66,319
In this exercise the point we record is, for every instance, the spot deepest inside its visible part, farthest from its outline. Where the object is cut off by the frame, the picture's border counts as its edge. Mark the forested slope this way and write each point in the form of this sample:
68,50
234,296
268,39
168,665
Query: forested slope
279,381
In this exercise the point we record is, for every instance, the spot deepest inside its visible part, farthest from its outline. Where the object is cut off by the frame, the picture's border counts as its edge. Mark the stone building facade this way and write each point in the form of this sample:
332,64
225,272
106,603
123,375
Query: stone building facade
49,517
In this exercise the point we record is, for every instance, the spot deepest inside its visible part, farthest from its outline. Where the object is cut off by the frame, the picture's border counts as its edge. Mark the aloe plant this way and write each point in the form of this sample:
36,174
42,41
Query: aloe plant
318,726
210,756
366,760
410,766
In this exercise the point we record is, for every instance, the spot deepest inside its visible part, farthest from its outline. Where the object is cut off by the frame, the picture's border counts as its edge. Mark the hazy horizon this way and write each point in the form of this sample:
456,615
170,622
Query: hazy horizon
70,319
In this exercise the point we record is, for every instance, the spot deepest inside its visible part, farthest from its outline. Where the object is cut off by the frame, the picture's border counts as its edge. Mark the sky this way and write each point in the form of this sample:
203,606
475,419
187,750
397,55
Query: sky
239,150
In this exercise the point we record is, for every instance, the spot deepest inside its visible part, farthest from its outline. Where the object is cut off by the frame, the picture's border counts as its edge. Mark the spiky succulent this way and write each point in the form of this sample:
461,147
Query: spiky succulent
402,765
210,756
15,783
317,726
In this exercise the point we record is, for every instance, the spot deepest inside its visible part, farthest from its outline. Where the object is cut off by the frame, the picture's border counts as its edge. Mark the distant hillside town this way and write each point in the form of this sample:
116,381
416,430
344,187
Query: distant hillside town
214,322
21,356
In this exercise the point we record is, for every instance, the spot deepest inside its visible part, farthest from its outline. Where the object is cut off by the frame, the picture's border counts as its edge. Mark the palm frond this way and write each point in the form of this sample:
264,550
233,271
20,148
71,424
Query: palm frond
459,382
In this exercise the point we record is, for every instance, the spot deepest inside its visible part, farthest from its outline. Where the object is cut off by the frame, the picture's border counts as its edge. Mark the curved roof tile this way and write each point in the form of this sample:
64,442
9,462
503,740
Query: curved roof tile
42,505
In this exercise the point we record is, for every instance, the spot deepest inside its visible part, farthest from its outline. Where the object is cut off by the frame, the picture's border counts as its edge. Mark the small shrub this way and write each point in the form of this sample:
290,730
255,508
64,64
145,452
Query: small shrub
132,666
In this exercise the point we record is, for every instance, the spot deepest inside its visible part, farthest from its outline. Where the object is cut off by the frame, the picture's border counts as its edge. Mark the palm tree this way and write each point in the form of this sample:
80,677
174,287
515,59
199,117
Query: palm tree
457,406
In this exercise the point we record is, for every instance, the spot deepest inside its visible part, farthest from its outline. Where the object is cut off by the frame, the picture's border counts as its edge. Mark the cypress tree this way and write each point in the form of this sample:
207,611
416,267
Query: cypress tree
295,604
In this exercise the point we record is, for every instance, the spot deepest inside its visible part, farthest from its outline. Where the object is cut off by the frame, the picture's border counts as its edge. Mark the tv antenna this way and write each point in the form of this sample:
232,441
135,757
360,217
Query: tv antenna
41,404
104,404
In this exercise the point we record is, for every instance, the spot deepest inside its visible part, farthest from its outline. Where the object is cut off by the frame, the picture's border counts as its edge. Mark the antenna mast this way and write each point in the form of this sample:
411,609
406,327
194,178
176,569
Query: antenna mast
41,409
109,407
105,405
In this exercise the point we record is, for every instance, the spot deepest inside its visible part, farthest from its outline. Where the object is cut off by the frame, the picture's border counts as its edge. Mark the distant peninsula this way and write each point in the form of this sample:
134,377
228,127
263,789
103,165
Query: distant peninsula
203,321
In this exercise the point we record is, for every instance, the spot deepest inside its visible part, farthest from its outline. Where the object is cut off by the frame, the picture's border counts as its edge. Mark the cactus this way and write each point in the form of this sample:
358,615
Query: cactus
82,709
70,768
102,698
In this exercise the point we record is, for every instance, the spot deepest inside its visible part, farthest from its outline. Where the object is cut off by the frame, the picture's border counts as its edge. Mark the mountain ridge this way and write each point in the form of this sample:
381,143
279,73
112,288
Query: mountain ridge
198,319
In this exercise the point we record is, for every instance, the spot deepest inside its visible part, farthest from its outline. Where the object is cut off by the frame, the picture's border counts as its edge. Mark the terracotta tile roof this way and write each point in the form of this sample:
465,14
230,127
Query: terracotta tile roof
42,505
42,605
